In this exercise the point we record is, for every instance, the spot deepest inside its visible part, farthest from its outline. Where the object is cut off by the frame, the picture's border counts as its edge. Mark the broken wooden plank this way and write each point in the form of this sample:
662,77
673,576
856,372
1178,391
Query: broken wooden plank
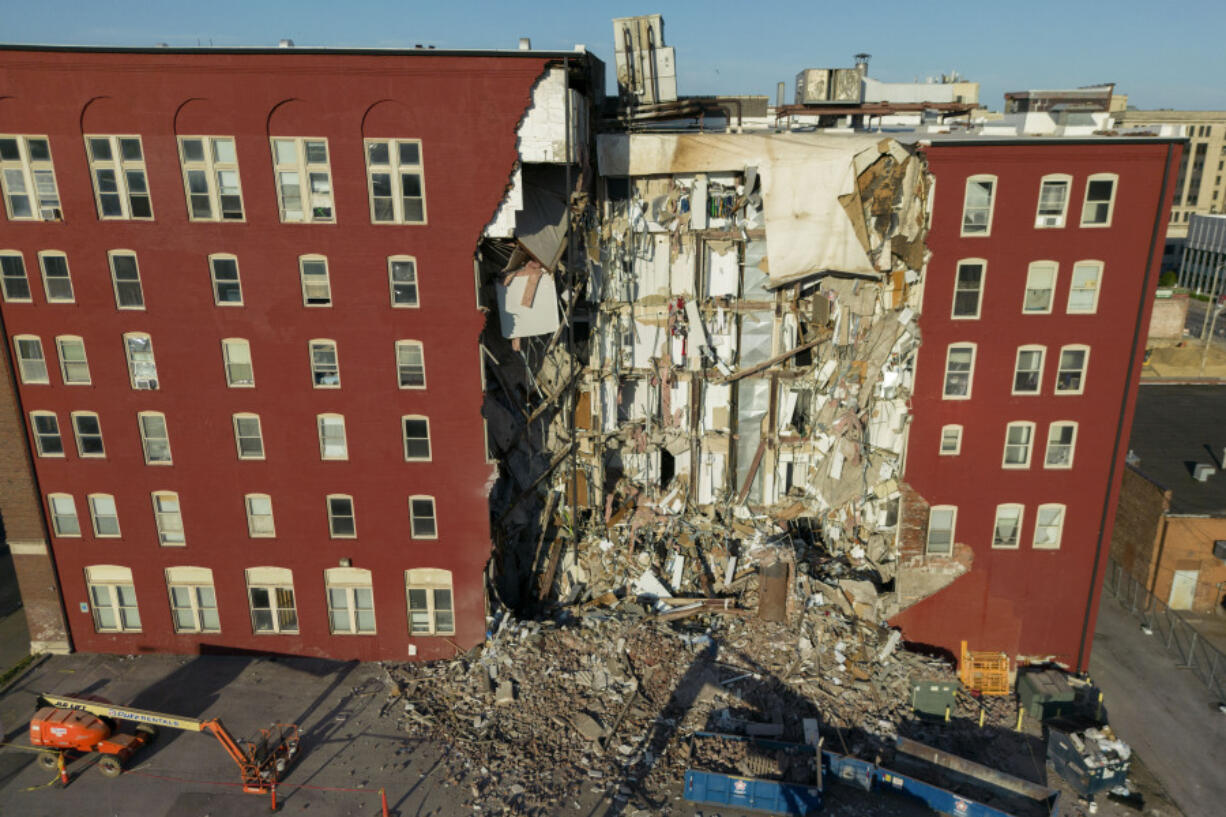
766,364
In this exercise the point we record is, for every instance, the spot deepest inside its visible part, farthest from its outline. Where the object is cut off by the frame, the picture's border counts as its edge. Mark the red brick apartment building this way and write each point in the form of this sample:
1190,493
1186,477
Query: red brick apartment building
1044,253
238,295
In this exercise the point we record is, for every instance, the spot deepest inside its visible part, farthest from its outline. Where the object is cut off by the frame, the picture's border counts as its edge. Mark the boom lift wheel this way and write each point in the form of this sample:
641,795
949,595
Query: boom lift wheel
110,766
49,760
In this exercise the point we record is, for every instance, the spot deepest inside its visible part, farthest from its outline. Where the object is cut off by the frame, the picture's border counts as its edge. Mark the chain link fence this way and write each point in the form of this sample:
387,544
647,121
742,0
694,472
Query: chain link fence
1190,649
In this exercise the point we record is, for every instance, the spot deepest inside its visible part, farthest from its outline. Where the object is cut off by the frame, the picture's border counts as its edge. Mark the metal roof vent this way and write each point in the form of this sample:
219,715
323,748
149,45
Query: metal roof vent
525,43
1203,471
286,42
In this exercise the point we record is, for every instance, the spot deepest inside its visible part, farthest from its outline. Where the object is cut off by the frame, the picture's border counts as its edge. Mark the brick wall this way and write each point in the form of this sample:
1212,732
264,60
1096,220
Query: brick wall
1138,520
1188,545
1168,318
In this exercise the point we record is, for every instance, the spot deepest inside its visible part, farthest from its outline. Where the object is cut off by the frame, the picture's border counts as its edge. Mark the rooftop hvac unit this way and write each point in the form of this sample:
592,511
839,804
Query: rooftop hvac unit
826,86
1203,471
1219,549
646,69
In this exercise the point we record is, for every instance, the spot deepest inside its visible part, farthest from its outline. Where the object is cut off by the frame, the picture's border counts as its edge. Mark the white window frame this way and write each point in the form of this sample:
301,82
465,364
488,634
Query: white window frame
224,258
1055,427
941,550
346,585
1058,526
413,517
431,582
144,421
392,261
43,257
1053,220
405,368
98,505
1086,204
1017,369
128,177
105,586
244,418
1083,372
197,582
18,282
951,429
1094,288
233,352
395,171
142,374
42,436
212,169
168,520
322,422
317,372
307,172
33,370
970,374
958,289
30,171
334,516
967,210
1019,512
260,524
111,256
80,435
65,346
60,509
404,434
1035,269
1027,445
312,301
275,581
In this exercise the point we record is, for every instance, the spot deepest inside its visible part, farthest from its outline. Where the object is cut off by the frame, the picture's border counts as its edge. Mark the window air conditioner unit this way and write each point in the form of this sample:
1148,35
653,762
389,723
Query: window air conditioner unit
1048,221
52,214
147,383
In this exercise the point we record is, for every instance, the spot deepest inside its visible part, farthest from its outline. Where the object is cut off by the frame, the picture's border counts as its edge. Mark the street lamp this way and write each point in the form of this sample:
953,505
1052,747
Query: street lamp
1217,310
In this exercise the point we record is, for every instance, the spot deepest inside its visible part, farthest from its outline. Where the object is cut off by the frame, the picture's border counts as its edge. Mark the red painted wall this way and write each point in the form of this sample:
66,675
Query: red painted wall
464,109
1032,602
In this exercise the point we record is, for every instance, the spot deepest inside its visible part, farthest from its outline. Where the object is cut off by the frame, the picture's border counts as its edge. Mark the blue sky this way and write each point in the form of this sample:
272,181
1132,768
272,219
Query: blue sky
1162,55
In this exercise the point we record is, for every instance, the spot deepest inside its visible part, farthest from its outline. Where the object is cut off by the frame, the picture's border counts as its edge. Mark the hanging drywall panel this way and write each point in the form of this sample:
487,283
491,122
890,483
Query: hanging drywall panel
651,267
681,270
538,317
716,403
649,337
754,278
712,476
723,269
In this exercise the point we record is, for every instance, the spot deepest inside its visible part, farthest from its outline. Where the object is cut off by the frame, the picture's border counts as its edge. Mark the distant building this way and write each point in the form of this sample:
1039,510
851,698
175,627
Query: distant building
1202,265
1086,99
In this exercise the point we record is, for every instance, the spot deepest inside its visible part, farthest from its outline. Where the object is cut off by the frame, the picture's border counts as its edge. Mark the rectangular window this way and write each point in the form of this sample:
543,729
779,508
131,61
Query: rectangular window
959,369
210,178
410,364
236,356
46,428
351,609
168,516
88,431
421,517
1100,200
332,443
260,521
194,607
1040,288
30,360
304,179
272,608
227,288
325,366
1048,526
154,439
13,280
1053,201
104,515
117,165
74,367
951,440
28,179
247,437
316,288
56,281
397,191
341,521
1018,437
1028,371
141,366
402,278
977,206
416,438
1083,290
125,276
1007,531
430,602
941,520
1061,439
113,599
1070,379
968,289
64,520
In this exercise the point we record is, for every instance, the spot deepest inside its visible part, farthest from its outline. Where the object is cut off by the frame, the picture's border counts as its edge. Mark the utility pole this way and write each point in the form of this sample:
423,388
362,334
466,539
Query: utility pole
1214,295
1217,310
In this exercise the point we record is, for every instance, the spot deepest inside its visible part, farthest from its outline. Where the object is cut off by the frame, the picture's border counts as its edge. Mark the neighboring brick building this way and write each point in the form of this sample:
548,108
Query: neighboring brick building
238,285
1045,255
